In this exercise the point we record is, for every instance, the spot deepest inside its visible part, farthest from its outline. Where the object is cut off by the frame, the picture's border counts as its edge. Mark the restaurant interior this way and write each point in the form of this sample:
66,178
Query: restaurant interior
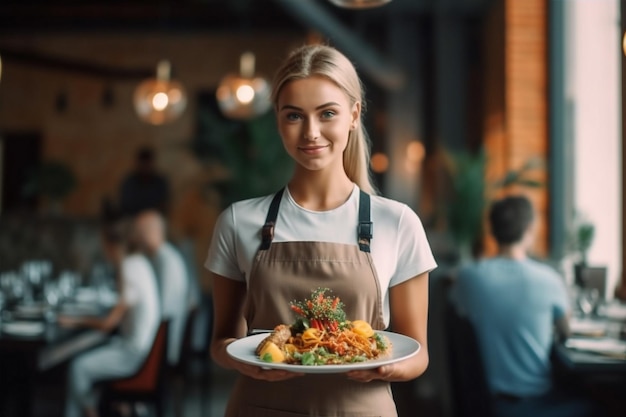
467,101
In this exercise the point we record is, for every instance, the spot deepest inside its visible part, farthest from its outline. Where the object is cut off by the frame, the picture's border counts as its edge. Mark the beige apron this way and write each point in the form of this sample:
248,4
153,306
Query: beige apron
287,271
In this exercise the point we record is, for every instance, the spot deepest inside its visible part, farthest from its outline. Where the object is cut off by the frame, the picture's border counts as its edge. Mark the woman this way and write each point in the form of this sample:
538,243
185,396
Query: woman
316,232
136,316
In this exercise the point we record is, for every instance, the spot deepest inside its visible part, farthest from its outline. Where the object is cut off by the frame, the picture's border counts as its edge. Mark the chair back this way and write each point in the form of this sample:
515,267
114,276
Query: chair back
149,374
186,348
469,386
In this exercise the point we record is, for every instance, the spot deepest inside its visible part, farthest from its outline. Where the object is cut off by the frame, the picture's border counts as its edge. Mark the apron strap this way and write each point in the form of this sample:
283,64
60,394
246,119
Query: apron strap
365,229
267,233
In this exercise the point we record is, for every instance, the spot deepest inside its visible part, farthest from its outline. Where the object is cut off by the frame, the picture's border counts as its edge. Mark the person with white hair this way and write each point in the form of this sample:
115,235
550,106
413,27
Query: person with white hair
171,276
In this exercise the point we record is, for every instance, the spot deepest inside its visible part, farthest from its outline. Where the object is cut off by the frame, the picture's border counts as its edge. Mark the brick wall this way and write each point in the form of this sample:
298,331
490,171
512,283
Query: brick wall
99,142
516,116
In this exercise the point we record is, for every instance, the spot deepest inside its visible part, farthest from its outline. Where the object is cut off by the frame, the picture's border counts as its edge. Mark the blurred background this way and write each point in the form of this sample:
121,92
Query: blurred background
467,100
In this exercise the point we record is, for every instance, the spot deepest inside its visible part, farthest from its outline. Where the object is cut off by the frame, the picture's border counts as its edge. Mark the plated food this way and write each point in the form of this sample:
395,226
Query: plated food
322,335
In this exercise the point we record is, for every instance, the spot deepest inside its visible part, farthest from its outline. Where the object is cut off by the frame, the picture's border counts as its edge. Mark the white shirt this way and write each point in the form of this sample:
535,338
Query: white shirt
399,248
173,284
141,321
171,274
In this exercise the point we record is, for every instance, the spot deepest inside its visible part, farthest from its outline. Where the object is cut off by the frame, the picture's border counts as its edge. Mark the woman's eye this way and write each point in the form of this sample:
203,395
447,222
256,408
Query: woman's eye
293,116
327,114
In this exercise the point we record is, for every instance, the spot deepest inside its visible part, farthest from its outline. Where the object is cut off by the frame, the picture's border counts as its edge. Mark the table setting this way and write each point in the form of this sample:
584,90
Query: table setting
597,340
34,295
27,300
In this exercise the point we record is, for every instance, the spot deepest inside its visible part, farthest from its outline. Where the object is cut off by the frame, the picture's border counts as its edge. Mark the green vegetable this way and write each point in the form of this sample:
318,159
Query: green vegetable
381,343
267,357
308,358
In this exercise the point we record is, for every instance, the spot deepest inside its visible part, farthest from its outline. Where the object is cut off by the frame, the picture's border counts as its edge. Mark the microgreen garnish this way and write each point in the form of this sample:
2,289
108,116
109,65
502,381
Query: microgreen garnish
319,311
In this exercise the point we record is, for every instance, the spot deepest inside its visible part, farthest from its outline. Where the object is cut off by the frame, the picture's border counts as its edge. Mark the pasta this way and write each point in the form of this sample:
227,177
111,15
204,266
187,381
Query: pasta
321,335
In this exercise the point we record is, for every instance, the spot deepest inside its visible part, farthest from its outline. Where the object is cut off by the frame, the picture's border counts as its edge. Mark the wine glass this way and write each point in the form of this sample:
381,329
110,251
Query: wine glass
588,300
52,298
35,272
68,282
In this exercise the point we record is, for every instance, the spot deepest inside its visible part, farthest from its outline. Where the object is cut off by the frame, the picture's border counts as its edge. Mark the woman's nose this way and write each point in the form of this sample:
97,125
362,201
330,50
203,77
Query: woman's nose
311,130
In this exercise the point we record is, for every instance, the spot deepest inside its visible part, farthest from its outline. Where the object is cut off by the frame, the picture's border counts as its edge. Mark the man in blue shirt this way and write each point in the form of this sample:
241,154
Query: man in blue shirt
515,305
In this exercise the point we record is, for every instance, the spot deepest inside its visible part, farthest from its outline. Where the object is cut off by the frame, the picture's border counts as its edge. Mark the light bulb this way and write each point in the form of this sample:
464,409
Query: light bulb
243,95
160,100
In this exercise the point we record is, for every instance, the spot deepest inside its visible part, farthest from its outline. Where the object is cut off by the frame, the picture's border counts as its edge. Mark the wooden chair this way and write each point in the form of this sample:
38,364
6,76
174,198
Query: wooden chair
147,385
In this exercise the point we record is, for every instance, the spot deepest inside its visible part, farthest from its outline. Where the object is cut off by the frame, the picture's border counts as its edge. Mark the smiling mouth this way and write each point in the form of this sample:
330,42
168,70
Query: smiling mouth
312,149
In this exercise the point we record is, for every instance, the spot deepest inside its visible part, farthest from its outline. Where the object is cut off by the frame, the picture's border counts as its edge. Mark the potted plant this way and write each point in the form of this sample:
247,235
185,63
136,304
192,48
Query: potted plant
53,181
581,239
470,195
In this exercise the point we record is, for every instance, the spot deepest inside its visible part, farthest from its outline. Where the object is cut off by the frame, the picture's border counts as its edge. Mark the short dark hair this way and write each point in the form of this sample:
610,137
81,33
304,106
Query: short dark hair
145,154
509,219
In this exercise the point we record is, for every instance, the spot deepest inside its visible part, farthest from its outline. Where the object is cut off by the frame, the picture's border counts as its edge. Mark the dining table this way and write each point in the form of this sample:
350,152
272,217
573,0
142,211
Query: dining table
594,355
32,343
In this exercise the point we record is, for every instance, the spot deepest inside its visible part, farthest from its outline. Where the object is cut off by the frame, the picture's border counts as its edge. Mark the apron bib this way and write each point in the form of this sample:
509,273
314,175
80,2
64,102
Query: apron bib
286,271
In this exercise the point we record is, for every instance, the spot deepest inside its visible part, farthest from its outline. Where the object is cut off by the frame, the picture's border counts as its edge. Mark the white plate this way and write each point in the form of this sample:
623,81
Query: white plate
589,328
616,311
604,345
80,309
402,347
31,308
23,328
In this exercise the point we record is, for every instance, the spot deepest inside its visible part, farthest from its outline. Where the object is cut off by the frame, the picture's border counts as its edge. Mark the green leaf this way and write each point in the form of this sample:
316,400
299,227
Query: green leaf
51,179
308,358
381,343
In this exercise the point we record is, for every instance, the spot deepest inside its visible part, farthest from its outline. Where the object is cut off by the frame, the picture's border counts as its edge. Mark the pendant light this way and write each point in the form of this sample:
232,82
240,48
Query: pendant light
359,4
160,100
244,95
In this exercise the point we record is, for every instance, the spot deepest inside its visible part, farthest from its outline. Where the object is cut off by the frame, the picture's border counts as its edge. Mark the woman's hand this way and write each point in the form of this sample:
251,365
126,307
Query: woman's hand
384,373
258,372
229,325
409,316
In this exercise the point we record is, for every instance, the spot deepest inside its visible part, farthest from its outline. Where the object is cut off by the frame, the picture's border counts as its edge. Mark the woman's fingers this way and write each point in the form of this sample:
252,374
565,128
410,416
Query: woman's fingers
257,372
384,373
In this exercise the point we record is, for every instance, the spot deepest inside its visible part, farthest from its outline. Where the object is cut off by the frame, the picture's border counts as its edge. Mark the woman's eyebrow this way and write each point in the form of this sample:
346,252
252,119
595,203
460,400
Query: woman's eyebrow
291,107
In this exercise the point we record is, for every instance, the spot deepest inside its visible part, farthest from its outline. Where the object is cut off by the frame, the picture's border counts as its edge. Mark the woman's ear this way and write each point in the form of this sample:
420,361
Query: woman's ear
356,115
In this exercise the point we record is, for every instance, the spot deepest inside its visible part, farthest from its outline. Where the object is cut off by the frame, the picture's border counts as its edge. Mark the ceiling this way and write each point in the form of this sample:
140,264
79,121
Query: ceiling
356,31
36,16
20,16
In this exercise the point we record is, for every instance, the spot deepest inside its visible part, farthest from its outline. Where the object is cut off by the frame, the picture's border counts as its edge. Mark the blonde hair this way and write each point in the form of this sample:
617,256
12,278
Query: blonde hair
322,60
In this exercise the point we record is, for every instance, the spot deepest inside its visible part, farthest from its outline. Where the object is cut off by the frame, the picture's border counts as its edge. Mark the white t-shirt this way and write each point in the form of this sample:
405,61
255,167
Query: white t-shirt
399,248
140,324
171,275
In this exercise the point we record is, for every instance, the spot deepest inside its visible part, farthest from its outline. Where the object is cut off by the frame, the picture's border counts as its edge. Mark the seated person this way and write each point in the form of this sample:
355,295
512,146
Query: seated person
515,305
136,315
171,275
